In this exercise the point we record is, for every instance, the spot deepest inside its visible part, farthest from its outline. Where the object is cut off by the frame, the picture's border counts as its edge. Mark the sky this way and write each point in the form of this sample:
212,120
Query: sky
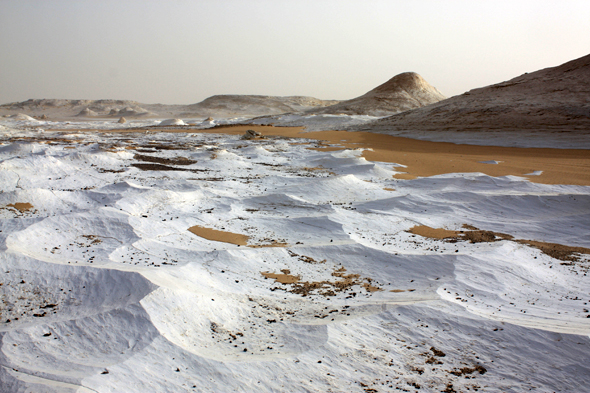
183,51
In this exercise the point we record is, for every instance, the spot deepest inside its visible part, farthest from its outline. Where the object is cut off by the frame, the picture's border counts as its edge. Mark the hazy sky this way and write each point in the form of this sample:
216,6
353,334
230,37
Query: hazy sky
183,51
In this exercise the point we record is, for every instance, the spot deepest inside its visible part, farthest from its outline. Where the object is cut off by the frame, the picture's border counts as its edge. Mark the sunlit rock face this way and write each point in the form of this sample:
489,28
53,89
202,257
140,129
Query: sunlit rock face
553,99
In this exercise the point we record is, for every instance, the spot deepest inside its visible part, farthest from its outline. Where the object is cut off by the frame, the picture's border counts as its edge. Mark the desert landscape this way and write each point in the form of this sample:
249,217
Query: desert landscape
396,241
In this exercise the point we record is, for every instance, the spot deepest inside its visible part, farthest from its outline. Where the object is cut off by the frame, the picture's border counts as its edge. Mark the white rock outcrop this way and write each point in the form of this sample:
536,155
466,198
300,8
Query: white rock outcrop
172,122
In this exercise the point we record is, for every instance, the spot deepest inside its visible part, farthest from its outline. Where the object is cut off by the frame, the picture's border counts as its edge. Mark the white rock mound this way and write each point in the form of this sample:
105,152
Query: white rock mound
172,122
87,112
22,116
129,111
207,123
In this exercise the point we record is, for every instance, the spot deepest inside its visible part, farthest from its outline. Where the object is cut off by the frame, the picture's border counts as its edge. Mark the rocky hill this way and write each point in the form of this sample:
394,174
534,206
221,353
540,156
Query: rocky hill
556,98
401,93
60,108
252,105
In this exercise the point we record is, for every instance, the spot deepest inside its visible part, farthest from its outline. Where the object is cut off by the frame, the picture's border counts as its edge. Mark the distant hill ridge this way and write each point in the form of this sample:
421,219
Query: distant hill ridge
402,92
215,106
257,105
66,103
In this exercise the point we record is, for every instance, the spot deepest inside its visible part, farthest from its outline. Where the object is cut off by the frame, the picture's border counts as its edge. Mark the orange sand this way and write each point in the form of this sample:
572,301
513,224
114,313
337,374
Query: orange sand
433,233
219,236
21,206
230,237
